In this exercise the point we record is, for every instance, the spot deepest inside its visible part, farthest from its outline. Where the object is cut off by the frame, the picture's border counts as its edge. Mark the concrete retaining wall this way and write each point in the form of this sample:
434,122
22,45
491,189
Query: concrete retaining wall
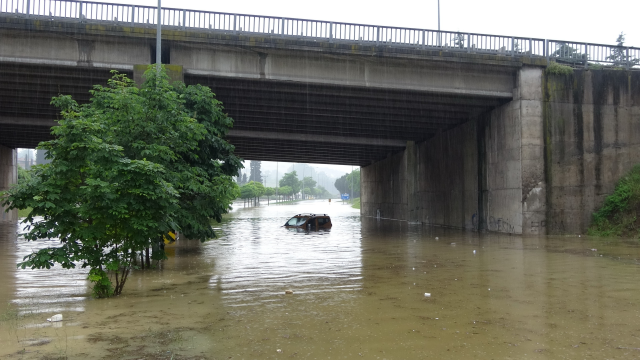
592,125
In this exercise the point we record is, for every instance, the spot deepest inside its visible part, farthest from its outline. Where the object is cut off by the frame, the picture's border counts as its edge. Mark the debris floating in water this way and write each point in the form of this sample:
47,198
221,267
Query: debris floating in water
453,243
288,292
55,318
427,294
594,249
279,351
474,251
437,238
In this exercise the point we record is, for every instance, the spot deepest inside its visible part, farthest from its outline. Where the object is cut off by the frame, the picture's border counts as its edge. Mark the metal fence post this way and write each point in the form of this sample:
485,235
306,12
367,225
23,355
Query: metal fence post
330,31
28,7
424,39
133,15
234,24
377,35
282,27
546,49
184,19
468,42
513,45
530,47
80,11
586,56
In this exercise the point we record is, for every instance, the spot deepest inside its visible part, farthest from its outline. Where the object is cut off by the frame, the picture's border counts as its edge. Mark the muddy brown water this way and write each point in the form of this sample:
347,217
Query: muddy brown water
358,291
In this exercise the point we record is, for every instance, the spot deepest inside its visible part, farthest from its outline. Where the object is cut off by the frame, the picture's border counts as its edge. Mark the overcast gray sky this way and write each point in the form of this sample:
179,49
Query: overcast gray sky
583,21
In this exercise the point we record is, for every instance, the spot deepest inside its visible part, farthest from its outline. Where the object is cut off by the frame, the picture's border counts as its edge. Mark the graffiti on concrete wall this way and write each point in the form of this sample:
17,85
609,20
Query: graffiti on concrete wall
492,224
538,226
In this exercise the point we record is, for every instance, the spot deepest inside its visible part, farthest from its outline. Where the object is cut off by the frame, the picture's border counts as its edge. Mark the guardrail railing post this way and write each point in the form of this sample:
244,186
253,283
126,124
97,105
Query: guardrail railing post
468,42
377,35
184,19
626,57
586,56
424,39
513,45
133,15
331,31
546,49
28,7
234,24
282,27
80,11
530,47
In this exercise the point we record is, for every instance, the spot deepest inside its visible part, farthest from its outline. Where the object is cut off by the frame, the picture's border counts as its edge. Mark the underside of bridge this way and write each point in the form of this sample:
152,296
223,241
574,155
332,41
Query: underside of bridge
274,120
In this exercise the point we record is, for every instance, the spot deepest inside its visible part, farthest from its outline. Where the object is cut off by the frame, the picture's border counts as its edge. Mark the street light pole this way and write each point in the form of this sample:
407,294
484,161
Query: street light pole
158,43
438,15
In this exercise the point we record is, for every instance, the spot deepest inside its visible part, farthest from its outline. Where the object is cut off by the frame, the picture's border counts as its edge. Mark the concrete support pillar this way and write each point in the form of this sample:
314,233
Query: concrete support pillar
8,176
413,201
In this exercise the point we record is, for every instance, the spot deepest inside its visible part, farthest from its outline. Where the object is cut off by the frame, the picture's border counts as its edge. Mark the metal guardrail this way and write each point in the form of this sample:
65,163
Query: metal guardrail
568,52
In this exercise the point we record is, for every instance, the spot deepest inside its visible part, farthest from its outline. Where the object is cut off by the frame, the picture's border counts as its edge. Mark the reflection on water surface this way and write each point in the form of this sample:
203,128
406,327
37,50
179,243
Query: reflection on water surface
358,290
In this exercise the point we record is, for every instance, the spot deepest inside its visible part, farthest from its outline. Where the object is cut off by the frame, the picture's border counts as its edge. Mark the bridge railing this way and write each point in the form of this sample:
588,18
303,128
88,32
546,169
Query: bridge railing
573,53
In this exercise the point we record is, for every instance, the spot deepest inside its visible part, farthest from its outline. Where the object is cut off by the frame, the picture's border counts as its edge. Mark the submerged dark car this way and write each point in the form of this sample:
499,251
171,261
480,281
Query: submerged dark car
309,221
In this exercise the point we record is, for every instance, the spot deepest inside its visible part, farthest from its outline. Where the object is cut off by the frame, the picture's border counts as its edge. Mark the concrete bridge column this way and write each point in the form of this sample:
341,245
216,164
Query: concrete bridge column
486,174
8,176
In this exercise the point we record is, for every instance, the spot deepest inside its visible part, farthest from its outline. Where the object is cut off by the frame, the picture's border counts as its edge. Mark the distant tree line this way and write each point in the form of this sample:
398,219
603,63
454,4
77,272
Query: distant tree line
349,184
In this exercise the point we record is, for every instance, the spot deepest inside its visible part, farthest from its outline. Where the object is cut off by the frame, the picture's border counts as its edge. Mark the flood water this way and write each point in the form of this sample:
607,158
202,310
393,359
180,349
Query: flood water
358,291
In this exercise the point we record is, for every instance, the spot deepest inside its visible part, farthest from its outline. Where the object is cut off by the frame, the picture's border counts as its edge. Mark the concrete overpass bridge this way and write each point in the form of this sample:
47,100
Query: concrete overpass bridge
451,129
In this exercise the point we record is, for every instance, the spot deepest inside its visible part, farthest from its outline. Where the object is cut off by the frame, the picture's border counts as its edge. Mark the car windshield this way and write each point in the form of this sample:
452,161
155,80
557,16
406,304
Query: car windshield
297,221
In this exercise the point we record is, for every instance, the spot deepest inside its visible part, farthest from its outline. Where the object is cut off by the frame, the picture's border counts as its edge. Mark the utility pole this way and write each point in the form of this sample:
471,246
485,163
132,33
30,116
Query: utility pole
351,183
158,42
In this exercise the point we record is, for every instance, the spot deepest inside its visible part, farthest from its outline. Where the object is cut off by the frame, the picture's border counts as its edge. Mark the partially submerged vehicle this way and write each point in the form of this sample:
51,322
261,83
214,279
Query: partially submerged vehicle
309,222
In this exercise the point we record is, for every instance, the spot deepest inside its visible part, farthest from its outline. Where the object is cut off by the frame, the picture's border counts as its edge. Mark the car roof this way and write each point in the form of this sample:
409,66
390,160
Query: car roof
309,214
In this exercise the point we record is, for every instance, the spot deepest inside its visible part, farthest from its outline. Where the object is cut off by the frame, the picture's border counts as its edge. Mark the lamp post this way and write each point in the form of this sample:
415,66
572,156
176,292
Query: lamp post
158,43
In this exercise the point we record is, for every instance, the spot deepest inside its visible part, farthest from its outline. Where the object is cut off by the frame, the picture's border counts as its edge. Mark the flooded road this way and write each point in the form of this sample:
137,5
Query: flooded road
358,291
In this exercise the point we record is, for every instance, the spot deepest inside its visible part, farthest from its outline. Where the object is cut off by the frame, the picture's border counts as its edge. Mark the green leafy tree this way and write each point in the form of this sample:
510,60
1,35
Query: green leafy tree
308,182
458,40
341,184
286,191
353,183
321,192
619,54
567,54
248,191
291,180
268,192
23,175
126,168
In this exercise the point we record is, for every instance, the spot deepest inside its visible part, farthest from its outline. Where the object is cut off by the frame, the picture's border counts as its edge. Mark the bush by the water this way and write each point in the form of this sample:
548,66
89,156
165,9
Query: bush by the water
619,216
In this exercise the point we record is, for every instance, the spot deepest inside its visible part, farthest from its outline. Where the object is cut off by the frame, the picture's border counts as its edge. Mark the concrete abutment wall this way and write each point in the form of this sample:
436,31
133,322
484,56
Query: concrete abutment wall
539,164
8,177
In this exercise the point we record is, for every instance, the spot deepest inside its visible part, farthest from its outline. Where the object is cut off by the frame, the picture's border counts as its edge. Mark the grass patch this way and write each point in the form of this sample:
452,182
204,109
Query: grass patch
24,212
619,216
356,203
557,69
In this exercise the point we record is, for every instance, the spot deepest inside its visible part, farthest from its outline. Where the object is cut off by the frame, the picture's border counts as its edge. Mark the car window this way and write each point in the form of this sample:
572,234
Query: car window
293,221
302,220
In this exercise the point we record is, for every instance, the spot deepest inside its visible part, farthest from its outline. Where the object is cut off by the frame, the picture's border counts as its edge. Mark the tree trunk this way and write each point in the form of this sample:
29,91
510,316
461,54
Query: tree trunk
141,260
148,259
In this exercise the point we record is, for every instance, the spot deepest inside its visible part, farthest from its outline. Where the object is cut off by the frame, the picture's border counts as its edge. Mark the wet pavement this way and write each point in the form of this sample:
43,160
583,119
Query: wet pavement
358,291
